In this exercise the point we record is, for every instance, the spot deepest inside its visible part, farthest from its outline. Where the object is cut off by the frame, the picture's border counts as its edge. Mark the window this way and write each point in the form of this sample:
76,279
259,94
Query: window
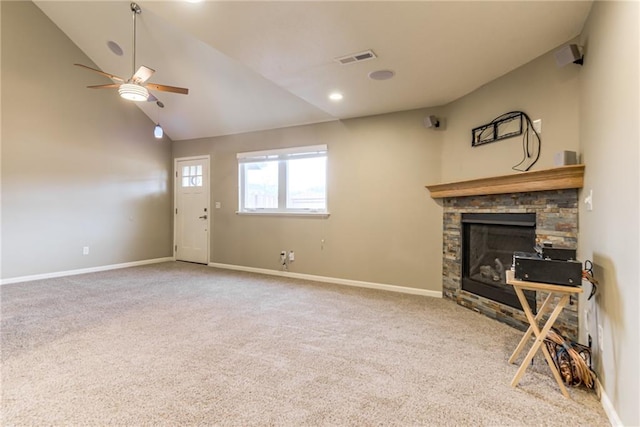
192,176
292,180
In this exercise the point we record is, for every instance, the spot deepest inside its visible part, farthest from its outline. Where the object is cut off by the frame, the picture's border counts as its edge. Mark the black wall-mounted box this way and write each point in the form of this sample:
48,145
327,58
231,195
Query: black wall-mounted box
532,268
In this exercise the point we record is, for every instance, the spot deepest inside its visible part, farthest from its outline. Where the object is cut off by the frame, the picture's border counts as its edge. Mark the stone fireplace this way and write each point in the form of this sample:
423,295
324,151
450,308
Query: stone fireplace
552,205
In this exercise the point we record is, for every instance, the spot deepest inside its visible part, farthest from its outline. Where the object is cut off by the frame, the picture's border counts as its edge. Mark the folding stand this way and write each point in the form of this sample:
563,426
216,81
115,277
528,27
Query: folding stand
564,292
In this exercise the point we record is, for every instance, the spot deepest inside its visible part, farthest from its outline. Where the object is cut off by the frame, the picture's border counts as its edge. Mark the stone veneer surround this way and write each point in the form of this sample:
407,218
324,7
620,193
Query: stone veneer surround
556,221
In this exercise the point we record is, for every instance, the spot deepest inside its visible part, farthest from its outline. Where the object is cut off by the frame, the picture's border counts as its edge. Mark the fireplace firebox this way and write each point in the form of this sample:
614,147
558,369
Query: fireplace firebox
488,243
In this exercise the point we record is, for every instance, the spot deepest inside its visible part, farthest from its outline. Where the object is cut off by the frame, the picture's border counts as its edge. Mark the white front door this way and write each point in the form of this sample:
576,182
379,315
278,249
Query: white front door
192,213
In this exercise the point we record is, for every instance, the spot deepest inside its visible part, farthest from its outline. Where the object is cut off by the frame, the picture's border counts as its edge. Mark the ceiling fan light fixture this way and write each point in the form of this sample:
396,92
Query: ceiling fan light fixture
133,92
134,88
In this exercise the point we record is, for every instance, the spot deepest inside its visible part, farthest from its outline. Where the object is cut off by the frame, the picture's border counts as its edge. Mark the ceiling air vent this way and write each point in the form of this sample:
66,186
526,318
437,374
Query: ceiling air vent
356,57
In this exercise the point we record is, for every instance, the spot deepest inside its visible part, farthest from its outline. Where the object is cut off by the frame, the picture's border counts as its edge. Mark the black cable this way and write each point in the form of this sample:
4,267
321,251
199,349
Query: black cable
587,273
526,144
526,135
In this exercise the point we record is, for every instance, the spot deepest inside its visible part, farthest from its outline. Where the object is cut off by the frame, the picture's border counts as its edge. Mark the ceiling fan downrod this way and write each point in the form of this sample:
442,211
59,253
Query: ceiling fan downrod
136,11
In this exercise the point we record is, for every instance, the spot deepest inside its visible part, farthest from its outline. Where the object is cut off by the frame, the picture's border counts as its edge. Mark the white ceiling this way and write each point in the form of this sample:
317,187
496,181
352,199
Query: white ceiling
269,64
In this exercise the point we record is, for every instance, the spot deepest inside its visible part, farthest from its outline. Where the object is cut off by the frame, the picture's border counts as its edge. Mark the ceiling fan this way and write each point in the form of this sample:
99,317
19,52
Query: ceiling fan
136,88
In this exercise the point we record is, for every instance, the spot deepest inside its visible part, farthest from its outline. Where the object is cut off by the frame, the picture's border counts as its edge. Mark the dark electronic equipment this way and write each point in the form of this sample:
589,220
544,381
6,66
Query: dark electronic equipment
531,267
559,254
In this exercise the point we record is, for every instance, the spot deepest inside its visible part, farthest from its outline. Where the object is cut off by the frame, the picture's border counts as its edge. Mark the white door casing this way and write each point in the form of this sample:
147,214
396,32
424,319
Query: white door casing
192,212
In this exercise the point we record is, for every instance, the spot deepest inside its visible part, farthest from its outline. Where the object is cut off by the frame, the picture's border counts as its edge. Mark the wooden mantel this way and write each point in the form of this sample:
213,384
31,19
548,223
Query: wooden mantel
559,178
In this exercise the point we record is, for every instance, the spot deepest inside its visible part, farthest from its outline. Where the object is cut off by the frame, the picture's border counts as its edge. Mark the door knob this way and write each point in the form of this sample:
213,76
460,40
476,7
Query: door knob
203,217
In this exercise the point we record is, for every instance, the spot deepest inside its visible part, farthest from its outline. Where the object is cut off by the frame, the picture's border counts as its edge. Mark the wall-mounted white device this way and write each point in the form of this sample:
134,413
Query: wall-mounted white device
431,122
571,53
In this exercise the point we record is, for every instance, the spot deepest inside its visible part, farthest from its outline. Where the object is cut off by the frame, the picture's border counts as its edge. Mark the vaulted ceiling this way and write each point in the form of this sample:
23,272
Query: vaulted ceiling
269,64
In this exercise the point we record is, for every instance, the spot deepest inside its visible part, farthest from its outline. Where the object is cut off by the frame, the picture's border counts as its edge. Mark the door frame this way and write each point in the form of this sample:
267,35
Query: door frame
207,159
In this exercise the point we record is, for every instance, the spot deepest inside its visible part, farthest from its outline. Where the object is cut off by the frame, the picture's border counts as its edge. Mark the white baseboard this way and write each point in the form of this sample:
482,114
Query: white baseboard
334,280
614,419
83,270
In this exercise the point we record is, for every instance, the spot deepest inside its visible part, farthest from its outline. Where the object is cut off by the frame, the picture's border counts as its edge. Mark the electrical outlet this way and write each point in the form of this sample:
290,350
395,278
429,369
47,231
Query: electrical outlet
283,257
600,338
85,250
589,200
292,257
586,321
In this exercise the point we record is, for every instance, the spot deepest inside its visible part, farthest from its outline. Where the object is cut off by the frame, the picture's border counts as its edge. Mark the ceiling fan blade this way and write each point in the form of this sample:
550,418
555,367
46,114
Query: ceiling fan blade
165,88
111,76
142,75
109,86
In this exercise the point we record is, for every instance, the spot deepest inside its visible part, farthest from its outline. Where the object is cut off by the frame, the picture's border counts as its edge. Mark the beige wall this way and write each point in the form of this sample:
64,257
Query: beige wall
540,89
79,167
383,228
610,136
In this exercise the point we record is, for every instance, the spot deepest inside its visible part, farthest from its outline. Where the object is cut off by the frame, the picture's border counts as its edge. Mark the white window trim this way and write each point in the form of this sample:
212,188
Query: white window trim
282,153
279,155
266,212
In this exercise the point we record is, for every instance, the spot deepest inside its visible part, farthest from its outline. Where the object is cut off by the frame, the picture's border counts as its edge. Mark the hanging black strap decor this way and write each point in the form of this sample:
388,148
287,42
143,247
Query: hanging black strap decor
508,125
505,126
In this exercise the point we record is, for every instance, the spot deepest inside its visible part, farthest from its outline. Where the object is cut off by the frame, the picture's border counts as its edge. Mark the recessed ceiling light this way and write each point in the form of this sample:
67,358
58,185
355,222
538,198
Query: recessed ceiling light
381,74
335,96
114,47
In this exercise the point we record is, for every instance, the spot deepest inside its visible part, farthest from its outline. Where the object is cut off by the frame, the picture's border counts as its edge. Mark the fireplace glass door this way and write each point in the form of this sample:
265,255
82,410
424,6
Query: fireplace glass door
488,243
